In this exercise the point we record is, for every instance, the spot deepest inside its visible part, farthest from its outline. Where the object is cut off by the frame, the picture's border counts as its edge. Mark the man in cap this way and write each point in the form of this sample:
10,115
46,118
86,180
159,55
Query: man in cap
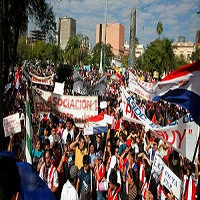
69,192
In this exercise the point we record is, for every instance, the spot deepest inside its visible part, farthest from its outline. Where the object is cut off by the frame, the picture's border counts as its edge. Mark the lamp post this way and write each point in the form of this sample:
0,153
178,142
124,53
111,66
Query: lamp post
104,57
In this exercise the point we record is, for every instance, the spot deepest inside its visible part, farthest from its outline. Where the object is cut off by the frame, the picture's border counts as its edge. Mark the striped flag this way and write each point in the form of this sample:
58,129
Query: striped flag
28,131
17,76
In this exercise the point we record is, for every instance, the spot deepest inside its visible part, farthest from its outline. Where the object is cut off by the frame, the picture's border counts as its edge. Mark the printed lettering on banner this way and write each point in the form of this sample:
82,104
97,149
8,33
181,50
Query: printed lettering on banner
80,108
157,167
179,134
171,182
11,124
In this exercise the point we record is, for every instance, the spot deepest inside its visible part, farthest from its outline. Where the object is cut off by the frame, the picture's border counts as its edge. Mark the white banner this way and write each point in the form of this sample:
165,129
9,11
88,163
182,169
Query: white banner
80,108
11,124
134,86
179,134
157,167
171,182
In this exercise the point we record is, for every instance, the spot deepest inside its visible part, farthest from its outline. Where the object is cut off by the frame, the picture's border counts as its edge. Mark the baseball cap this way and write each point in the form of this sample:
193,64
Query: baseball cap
73,171
128,143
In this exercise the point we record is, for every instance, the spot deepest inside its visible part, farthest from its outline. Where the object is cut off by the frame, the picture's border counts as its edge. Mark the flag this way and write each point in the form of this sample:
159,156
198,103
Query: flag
28,131
182,87
98,123
17,76
32,186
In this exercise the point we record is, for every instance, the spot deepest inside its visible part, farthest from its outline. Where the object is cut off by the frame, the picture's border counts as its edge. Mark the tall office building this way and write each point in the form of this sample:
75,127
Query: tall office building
66,29
198,37
114,36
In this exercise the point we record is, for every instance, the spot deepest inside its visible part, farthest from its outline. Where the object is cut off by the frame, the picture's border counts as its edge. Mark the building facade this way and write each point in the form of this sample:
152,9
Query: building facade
183,48
66,29
114,36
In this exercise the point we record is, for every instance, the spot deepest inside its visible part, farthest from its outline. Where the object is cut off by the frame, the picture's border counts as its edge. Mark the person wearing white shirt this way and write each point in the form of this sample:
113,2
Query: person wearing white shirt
68,191
67,131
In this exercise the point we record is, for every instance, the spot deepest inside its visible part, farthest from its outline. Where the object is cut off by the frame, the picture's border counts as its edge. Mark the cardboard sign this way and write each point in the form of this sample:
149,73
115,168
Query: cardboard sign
11,124
88,131
108,119
59,88
103,104
171,182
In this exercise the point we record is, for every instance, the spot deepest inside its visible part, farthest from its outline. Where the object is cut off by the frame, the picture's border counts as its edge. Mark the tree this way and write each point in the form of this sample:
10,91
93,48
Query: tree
24,51
13,23
195,55
96,54
124,61
159,29
72,50
159,57
180,61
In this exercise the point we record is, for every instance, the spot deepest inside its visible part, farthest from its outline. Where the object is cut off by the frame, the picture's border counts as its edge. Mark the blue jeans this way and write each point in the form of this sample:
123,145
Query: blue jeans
99,195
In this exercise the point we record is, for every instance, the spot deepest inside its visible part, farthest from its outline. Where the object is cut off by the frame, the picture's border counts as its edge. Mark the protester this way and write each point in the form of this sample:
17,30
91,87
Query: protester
84,180
48,172
68,191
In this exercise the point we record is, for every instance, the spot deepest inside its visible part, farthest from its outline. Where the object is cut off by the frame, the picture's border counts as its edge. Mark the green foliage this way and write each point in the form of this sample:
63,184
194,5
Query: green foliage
180,61
96,55
39,51
23,51
77,50
159,57
159,29
125,61
195,55
64,71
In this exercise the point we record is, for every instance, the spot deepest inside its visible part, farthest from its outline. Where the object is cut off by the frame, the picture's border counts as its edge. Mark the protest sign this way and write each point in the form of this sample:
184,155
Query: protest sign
136,86
11,124
79,108
178,134
157,167
59,88
171,182
103,104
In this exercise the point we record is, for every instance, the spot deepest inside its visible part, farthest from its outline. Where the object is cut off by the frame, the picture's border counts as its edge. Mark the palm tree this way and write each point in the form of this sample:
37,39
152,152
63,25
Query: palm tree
159,29
72,50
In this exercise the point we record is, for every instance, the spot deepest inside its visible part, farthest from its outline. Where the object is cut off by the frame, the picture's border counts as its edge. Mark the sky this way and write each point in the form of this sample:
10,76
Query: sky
179,17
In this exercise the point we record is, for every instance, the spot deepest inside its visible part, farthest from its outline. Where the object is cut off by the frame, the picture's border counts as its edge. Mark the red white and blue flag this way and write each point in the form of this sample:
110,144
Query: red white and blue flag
182,87
17,76
98,123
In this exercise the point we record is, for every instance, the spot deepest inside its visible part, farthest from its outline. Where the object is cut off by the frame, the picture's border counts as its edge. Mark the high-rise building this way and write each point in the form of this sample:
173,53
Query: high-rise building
198,37
66,29
114,36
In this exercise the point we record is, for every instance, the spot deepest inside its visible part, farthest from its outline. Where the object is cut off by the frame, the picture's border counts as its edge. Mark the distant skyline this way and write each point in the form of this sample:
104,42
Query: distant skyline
179,17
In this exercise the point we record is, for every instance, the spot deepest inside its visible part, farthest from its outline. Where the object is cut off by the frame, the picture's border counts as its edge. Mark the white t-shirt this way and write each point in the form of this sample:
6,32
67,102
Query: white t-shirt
64,135
68,192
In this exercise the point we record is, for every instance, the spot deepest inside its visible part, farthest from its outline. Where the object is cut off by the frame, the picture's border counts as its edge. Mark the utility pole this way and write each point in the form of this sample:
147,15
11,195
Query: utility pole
132,39
104,58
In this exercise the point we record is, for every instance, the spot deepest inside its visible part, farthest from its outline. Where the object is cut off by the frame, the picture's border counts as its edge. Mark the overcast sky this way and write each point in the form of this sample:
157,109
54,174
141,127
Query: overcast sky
179,17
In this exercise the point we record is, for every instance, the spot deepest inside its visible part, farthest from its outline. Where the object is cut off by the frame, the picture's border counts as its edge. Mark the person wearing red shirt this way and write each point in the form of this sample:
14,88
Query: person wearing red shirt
114,187
99,172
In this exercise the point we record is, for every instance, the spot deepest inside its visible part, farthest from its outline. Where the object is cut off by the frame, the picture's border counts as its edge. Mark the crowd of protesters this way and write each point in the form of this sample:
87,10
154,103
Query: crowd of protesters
112,165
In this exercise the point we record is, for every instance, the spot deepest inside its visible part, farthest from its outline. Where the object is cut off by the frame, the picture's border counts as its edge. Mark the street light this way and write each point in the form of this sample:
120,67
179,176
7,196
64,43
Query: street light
104,58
